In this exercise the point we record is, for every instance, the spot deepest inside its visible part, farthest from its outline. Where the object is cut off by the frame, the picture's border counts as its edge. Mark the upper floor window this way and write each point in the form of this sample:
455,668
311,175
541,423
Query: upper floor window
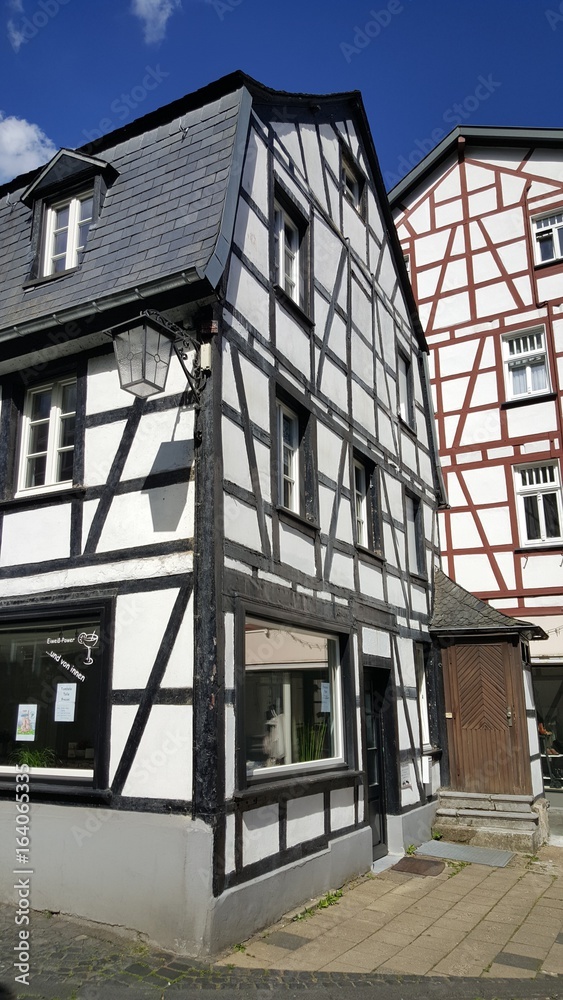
47,450
366,505
525,360
352,184
405,389
538,489
66,231
549,237
288,458
415,540
287,252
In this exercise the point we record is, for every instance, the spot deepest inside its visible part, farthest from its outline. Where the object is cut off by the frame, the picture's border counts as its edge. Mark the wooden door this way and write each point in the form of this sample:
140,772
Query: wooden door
486,719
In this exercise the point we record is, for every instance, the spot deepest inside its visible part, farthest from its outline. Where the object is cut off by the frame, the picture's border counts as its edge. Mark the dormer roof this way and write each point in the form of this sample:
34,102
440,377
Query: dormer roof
66,169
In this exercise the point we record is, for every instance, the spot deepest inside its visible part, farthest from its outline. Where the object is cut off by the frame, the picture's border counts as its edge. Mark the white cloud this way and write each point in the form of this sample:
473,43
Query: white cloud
154,14
15,35
23,146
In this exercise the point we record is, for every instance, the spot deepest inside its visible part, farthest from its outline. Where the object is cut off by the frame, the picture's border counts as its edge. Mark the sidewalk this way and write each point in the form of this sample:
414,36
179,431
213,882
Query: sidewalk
470,920
387,937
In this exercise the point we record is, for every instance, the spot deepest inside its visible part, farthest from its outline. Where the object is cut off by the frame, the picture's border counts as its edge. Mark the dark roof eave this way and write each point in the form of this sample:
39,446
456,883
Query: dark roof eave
527,629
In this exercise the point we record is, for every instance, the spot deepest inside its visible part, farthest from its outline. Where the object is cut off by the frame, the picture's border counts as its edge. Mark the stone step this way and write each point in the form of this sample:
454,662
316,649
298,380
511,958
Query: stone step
492,818
477,800
523,841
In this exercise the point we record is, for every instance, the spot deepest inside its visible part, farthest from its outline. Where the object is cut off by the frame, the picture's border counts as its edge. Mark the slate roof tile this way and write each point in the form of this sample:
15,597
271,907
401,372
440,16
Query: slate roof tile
456,610
161,215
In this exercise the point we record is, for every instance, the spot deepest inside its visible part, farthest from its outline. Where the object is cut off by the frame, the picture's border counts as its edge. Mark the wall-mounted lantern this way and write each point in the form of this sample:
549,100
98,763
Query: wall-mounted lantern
143,348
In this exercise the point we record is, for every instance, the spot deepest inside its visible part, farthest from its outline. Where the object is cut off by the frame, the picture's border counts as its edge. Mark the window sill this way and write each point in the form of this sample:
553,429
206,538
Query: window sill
420,578
285,300
405,426
23,500
46,278
551,546
370,556
295,520
291,782
542,264
540,397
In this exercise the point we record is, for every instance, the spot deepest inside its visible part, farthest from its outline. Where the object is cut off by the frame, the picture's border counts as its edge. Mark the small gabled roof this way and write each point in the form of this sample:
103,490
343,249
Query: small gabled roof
549,138
456,611
66,167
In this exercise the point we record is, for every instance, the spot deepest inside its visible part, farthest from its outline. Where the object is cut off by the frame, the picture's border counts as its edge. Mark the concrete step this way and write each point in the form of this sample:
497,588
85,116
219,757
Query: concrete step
491,818
522,841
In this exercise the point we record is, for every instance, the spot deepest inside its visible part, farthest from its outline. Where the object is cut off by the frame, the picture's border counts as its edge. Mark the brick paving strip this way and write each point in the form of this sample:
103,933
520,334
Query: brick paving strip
398,937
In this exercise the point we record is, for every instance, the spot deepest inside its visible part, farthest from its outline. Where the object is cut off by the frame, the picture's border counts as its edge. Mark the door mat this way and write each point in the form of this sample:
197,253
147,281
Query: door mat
465,852
419,866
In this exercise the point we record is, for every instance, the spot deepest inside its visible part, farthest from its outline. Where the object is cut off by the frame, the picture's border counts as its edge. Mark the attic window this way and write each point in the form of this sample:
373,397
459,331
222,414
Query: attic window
66,198
352,184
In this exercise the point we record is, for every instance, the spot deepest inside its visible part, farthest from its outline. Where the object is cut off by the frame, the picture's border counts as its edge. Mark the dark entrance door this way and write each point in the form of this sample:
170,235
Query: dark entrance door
375,683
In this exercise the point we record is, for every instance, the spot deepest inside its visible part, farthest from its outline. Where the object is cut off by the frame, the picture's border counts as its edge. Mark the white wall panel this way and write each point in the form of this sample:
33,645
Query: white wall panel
149,516
297,549
371,581
140,622
341,808
305,819
241,523
32,536
260,833
100,449
163,442
251,236
103,391
162,768
250,296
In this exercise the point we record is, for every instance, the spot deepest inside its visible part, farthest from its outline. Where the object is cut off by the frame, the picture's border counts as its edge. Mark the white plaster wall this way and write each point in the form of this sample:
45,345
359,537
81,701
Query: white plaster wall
539,571
33,536
140,622
292,342
103,389
496,524
163,442
297,549
241,523
540,416
474,573
342,570
162,768
375,642
250,297
341,808
371,581
236,468
486,485
334,384
329,446
305,819
260,833
149,516
100,448
251,235
255,171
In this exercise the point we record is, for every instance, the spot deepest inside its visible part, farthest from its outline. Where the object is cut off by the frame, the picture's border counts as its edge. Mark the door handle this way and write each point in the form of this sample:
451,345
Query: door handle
509,715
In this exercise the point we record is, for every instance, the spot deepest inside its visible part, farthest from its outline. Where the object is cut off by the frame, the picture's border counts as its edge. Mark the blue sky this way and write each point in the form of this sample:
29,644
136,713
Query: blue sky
72,69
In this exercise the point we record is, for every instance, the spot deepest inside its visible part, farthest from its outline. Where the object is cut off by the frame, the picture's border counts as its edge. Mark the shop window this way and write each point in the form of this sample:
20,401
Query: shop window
538,489
52,685
292,699
525,361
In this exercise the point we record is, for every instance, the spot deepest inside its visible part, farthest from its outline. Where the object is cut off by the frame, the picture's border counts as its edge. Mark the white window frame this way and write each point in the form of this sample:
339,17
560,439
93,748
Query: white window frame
292,479
72,249
522,351
288,253
547,226
335,672
405,389
351,185
538,480
361,506
54,448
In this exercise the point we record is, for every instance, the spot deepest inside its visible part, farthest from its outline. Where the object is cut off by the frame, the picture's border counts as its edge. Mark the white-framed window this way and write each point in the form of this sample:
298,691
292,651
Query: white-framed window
415,549
538,490
351,185
287,252
66,232
48,427
548,233
361,503
288,458
53,692
405,389
292,699
525,361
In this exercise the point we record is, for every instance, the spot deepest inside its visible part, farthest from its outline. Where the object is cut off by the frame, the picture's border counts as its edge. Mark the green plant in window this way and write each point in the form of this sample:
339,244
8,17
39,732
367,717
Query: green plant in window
311,740
33,757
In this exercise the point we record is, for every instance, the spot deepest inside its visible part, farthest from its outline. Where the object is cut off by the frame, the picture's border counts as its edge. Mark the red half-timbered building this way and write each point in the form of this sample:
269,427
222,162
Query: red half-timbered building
480,221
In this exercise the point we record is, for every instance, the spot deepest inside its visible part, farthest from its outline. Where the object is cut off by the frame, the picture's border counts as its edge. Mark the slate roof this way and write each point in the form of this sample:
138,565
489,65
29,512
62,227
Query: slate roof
161,216
456,610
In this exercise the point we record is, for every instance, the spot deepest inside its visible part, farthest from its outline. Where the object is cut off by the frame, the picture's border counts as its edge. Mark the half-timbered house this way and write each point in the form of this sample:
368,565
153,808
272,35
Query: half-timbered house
216,588
481,226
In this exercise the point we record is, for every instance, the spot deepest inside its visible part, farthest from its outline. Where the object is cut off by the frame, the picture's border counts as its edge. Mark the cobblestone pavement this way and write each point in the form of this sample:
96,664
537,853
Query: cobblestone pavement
427,938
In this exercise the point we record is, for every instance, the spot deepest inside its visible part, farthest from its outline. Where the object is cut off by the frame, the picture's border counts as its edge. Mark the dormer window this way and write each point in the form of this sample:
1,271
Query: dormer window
66,198
66,232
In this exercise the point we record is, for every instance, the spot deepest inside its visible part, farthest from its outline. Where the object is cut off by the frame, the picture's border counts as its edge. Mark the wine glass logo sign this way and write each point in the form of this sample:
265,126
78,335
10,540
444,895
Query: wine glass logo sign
89,640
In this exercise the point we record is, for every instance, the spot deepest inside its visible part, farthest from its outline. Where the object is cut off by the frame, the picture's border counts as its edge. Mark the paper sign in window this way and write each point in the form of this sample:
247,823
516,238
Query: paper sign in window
26,724
65,703
325,696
